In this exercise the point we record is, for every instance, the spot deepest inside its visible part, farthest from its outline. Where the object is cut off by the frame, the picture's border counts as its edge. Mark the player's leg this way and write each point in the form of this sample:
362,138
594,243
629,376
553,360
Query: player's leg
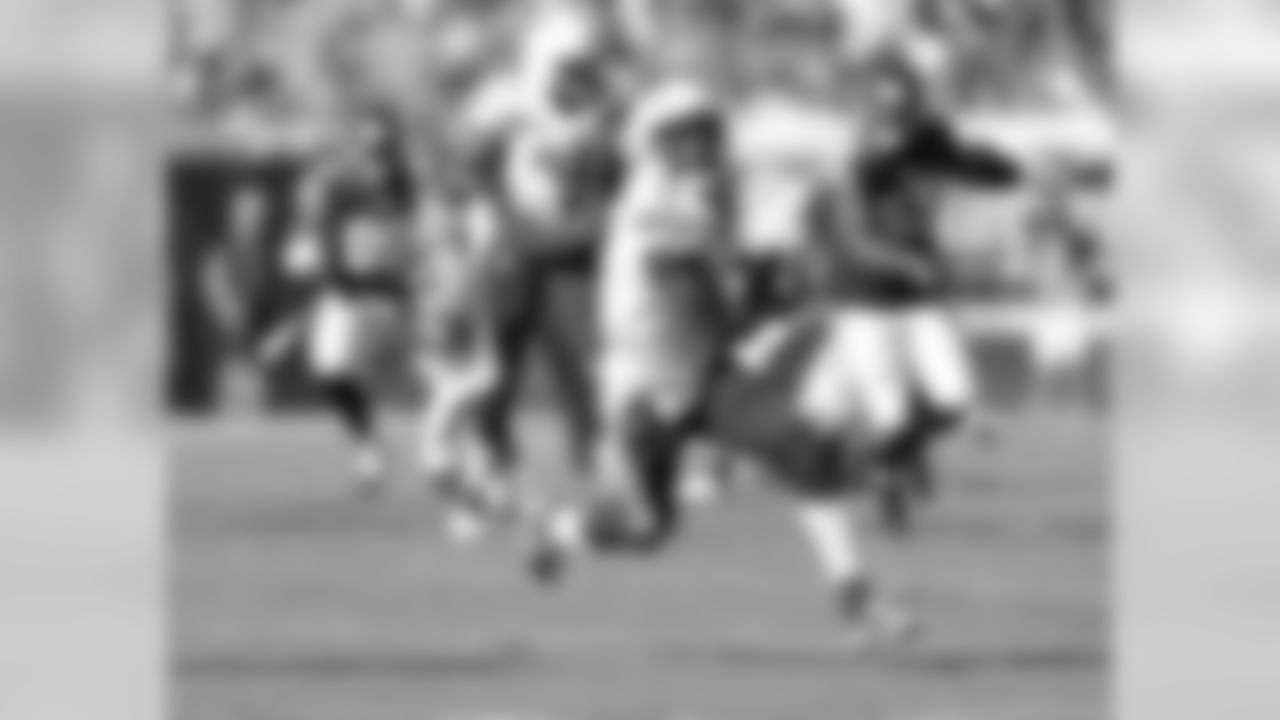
633,506
829,523
860,383
517,307
440,459
818,470
544,321
855,381
636,512
942,378
462,370
707,472
442,358
940,364
566,361
335,351
639,510
353,405
816,437
578,392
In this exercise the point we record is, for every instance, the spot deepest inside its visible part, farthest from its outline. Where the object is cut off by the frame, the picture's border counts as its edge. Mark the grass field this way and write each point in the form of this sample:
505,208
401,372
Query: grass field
296,601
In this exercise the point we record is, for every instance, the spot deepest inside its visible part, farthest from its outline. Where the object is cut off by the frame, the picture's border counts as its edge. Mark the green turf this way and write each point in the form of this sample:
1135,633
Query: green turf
294,601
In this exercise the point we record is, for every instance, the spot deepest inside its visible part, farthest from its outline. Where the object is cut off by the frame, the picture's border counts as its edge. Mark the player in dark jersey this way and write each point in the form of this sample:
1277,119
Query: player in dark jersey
352,213
913,154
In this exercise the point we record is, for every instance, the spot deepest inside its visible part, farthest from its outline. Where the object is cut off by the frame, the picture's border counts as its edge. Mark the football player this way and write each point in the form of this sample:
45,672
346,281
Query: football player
352,210
541,141
665,305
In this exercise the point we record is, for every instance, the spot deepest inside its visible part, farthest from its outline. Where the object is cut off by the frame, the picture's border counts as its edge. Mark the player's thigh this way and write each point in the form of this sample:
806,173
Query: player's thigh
333,338
627,379
937,358
665,382
855,380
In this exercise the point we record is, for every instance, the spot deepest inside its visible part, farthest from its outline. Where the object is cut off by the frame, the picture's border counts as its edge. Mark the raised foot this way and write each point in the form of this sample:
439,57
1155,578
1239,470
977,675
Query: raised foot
547,564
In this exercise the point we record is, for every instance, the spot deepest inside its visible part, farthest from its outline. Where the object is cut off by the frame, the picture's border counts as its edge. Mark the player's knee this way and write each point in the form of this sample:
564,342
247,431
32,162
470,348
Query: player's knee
910,445
942,406
813,462
944,380
886,411
836,472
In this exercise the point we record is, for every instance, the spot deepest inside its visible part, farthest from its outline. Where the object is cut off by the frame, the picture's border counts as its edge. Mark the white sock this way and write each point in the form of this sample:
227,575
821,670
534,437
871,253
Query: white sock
369,461
568,529
703,476
464,527
434,458
832,532
482,476
438,444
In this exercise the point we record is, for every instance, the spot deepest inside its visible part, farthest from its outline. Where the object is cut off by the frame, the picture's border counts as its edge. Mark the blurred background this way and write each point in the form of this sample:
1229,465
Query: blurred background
83,290
258,85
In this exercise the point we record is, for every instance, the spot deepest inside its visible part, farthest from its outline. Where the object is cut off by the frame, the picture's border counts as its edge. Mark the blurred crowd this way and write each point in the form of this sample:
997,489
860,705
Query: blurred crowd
274,66
259,85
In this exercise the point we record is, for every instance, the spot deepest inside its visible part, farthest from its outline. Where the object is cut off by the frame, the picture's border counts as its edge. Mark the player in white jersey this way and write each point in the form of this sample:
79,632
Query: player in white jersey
458,266
664,306
790,146
544,155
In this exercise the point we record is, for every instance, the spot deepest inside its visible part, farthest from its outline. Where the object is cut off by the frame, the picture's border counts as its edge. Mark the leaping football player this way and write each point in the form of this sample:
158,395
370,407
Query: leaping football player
912,154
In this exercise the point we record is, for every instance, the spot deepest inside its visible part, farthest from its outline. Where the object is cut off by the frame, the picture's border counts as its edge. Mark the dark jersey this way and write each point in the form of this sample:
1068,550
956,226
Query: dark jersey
900,191
358,209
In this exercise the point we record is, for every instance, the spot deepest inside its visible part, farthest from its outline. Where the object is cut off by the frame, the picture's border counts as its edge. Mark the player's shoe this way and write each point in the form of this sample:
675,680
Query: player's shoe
558,536
469,515
563,535
369,472
605,526
707,477
872,621
897,499
547,563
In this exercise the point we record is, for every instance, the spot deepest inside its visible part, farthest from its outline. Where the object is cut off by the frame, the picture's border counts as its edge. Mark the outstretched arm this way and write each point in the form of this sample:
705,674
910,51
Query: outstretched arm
948,152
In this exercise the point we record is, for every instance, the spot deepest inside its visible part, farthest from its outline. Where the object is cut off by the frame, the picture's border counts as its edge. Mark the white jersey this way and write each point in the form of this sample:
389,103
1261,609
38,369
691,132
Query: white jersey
655,287
660,311
543,173
786,153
